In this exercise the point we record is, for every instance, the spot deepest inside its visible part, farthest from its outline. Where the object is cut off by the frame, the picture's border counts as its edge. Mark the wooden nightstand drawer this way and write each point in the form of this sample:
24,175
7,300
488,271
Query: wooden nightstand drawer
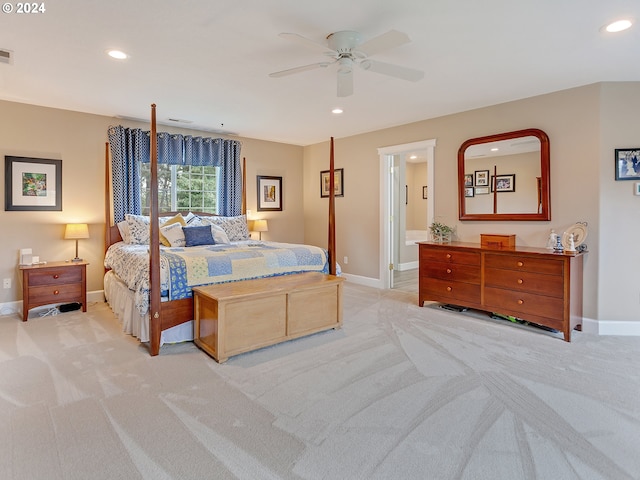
54,294
55,276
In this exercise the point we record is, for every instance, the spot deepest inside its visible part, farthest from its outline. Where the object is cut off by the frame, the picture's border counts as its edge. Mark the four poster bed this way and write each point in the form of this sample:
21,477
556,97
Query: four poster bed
149,283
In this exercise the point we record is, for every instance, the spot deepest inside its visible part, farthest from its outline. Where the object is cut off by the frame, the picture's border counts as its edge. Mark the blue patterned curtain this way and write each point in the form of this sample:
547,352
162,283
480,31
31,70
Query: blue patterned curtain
230,184
129,147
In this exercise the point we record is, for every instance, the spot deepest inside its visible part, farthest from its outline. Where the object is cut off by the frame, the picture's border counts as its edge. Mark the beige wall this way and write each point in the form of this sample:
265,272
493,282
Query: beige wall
584,126
79,141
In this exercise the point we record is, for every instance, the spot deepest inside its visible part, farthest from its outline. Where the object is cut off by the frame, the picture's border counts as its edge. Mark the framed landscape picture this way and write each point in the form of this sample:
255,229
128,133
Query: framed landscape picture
32,184
504,183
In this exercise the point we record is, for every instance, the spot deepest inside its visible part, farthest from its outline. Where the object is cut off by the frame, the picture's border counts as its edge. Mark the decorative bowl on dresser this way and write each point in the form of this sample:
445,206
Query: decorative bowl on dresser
534,284
54,282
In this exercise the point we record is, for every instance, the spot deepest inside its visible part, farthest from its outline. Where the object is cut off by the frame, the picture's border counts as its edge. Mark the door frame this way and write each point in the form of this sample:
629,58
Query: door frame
386,154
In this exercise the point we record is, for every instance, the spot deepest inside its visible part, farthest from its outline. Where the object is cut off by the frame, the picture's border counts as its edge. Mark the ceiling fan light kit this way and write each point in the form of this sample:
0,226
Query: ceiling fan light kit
347,49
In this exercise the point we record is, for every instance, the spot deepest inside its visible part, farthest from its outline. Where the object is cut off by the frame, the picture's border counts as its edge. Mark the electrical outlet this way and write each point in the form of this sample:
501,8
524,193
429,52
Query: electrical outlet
346,260
6,283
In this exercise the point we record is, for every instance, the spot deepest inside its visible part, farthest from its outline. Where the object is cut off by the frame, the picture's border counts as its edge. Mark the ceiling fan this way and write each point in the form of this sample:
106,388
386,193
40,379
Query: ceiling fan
346,49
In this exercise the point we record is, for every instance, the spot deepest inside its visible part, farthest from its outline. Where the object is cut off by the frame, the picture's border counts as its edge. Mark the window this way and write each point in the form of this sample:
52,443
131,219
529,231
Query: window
182,187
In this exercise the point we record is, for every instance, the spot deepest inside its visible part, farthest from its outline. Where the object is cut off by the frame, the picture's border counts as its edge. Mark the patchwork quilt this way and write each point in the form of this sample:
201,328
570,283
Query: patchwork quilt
182,268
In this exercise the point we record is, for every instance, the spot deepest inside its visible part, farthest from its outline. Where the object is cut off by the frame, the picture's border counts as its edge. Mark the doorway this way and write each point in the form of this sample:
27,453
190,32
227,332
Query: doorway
406,178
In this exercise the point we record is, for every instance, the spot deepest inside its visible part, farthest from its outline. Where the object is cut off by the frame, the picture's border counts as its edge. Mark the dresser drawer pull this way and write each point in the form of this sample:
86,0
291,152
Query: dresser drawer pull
520,302
520,281
520,264
448,255
56,292
448,270
56,276
449,289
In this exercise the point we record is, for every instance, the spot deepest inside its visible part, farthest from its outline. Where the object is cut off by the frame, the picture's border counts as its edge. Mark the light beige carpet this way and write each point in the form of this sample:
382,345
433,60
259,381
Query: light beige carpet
401,392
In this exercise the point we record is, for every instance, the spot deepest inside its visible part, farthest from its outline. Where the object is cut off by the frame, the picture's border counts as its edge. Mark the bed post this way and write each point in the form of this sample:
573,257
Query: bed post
154,245
331,247
244,186
107,200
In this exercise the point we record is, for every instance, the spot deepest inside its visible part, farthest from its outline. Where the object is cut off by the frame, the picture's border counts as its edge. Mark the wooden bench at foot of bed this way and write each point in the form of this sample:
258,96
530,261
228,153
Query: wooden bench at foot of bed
238,317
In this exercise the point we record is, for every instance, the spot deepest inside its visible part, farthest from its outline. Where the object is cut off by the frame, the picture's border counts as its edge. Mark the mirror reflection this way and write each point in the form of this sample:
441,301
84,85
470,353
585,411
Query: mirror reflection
505,177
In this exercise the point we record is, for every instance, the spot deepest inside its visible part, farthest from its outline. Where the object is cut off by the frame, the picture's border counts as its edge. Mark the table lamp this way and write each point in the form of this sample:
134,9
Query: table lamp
75,231
260,226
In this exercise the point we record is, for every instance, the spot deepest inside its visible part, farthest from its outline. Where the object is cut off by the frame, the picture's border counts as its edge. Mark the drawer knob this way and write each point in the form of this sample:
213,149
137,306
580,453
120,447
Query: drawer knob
448,270
56,276
56,292
520,264
448,255
520,281
520,302
449,289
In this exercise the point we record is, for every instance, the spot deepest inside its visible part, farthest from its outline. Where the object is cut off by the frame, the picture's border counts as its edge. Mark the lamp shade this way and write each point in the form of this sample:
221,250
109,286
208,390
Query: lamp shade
260,226
76,230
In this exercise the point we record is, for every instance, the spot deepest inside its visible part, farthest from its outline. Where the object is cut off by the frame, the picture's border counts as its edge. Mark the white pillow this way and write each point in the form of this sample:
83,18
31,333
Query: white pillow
174,234
219,235
123,228
138,229
235,227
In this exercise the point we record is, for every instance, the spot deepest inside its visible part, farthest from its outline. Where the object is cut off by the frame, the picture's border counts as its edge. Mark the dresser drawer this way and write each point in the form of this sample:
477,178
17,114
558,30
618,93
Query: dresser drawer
55,276
449,291
516,303
522,263
449,256
550,285
55,294
451,272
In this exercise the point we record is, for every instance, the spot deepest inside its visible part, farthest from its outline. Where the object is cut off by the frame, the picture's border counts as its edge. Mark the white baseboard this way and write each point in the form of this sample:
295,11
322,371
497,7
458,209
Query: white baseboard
408,266
366,281
629,328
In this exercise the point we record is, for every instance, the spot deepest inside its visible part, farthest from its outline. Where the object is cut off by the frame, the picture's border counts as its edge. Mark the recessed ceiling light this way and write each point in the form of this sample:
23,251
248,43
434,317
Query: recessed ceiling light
413,157
494,149
117,54
337,111
618,26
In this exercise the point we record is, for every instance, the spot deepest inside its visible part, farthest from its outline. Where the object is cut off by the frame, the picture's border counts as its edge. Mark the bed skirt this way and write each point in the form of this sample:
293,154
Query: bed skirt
122,303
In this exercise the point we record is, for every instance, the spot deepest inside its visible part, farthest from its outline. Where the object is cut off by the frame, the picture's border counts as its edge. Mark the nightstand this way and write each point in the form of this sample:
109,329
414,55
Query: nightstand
54,282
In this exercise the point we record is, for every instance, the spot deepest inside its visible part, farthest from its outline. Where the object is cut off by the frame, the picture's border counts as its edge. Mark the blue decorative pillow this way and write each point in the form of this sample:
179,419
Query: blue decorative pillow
195,236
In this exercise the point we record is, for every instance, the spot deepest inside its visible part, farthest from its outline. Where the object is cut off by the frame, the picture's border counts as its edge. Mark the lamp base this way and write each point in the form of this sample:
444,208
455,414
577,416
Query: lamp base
76,259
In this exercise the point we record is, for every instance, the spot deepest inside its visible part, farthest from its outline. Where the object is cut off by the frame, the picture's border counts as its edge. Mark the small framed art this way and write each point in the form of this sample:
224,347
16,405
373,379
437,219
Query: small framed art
424,192
481,178
269,194
482,190
468,179
338,186
628,163
504,183
32,184
468,191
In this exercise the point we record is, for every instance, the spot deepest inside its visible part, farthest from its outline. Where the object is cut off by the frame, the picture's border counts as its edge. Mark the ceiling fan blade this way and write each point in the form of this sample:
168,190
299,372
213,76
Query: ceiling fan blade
345,83
392,70
304,68
307,42
391,39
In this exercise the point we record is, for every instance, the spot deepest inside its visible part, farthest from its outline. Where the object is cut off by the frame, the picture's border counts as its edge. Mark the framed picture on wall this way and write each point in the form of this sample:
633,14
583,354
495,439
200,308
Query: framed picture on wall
424,192
468,179
504,183
481,178
269,194
482,190
468,192
32,184
628,163
338,186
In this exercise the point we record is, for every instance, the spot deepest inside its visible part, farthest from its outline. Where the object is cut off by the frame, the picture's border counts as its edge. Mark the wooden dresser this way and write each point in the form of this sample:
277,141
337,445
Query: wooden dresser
534,284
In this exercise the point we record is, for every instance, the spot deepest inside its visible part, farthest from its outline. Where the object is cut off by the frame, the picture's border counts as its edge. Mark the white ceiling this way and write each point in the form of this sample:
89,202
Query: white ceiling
207,61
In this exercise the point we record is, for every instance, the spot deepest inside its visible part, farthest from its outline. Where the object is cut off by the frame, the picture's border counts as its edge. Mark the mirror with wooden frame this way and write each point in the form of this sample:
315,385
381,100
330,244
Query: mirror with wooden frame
505,177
